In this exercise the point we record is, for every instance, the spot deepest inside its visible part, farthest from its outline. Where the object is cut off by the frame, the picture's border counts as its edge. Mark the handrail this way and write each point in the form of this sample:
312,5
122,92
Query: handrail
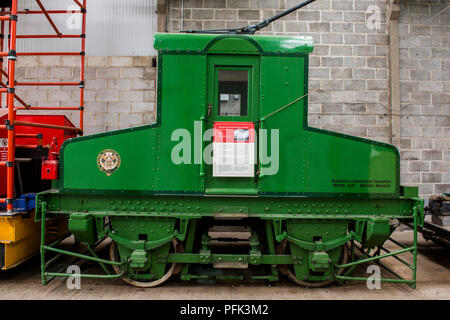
43,125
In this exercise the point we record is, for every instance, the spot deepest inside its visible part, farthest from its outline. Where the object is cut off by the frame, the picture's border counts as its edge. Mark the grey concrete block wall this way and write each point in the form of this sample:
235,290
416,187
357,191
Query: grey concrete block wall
424,40
348,75
120,91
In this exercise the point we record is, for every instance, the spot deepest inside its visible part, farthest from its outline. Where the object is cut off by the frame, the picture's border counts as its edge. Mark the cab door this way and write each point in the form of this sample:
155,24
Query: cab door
233,113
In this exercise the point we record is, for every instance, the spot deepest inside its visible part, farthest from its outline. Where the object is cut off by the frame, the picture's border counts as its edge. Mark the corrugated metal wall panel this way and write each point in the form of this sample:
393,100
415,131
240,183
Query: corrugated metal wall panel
114,27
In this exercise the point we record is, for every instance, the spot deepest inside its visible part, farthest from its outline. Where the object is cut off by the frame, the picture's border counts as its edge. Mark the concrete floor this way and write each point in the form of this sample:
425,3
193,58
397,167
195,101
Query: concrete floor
433,282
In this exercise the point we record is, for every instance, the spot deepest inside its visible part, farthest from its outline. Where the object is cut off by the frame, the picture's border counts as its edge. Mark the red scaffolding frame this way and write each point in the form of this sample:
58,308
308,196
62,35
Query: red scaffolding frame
8,18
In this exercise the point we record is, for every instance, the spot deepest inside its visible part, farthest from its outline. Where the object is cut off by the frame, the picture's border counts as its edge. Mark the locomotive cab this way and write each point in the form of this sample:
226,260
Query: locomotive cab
232,119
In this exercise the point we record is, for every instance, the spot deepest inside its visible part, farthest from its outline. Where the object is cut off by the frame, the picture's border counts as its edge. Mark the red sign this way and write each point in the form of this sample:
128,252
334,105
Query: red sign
234,132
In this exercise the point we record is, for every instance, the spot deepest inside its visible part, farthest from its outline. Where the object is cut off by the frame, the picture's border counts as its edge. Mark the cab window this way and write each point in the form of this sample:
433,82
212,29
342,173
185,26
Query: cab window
233,93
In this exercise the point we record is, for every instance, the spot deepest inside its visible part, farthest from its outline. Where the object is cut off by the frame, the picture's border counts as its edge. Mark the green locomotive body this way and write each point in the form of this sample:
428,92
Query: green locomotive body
169,202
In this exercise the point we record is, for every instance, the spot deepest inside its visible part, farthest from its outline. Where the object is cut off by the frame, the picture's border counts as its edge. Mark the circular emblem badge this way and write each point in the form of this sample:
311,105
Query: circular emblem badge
108,161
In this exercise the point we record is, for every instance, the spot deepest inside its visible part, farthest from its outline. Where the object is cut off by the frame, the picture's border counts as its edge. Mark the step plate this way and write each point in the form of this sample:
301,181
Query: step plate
230,232
230,265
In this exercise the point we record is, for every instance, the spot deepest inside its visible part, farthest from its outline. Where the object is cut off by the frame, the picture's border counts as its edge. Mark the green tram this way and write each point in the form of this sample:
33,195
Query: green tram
231,182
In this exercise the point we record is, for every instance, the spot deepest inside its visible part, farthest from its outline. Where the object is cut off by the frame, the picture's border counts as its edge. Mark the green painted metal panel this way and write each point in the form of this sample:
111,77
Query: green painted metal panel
282,81
314,161
201,42
80,169
378,231
195,207
233,45
83,228
183,103
340,165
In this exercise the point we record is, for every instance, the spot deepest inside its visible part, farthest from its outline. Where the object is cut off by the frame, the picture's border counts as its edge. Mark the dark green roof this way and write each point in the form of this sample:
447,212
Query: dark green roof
199,42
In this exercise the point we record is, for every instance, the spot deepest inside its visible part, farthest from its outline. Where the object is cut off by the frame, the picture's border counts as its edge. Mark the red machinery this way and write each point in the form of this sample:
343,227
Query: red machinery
46,138
29,144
